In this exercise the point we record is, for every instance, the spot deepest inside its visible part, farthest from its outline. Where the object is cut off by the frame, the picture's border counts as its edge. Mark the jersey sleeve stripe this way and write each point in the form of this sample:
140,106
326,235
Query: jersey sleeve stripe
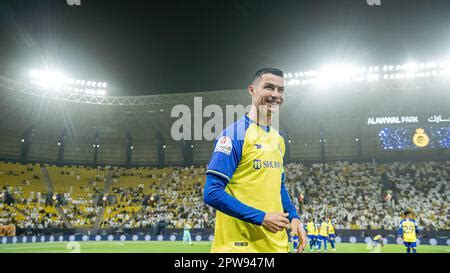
219,174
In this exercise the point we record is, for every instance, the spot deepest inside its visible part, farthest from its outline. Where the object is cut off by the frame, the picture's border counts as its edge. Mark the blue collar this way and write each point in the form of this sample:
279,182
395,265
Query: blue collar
265,128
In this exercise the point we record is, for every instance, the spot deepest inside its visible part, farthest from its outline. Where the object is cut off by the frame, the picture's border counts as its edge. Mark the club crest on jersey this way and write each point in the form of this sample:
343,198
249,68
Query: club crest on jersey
224,145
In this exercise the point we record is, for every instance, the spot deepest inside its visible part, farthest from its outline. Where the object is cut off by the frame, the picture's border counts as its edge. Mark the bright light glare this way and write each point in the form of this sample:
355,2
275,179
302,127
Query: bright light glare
337,73
50,79
411,67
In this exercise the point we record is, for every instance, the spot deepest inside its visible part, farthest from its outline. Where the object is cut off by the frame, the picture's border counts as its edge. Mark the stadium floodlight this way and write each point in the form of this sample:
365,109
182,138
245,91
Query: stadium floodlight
131,147
49,79
410,67
337,73
372,77
409,75
82,82
345,73
164,146
22,140
101,92
430,64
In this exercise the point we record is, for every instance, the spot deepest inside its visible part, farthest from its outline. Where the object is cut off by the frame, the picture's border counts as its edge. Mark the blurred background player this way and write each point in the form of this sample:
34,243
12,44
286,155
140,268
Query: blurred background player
408,230
323,235
377,241
311,231
187,233
316,234
331,233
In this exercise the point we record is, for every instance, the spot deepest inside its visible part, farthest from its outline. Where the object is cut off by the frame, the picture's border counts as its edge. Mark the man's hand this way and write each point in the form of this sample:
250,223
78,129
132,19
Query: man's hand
275,221
297,229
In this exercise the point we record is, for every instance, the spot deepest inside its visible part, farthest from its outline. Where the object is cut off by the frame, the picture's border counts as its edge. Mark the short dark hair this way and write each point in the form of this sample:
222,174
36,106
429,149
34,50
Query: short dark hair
267,70
407,212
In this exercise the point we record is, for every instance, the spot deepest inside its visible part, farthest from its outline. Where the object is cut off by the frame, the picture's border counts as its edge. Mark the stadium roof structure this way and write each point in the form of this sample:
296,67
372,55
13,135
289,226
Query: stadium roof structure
309,115
217,96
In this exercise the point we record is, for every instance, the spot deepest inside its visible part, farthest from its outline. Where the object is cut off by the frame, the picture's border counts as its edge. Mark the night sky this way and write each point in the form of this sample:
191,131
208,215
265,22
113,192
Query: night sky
154,47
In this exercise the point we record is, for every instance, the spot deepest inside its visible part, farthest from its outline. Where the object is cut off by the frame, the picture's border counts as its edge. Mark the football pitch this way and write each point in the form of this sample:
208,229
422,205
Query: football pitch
178,247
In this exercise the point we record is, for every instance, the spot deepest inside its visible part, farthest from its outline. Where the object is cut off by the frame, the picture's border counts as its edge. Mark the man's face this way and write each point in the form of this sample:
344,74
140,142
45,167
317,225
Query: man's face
267,93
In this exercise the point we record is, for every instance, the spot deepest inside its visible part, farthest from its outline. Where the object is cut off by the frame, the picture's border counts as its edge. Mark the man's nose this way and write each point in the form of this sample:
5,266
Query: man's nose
276,95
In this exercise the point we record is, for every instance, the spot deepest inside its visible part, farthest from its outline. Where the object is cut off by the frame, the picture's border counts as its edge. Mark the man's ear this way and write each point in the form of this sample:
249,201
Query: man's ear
251,89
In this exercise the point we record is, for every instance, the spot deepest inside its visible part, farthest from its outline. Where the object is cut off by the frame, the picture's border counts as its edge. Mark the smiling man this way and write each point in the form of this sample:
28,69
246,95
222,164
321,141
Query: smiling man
245,177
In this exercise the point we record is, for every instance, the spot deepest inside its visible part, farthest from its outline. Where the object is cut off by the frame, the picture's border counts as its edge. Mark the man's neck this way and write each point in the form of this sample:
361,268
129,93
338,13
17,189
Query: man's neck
259,118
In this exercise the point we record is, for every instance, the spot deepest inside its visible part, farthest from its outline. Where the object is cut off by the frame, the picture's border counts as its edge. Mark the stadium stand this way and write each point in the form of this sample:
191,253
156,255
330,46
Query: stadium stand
363,195
372,195
30,205
81,188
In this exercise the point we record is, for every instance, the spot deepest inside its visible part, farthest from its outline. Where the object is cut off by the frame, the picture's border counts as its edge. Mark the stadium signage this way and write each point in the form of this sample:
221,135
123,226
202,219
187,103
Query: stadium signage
267,164
392,120
405,120
437,119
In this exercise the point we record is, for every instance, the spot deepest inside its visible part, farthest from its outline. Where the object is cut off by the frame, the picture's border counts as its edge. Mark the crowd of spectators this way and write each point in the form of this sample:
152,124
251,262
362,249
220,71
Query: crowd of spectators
364,195
372,195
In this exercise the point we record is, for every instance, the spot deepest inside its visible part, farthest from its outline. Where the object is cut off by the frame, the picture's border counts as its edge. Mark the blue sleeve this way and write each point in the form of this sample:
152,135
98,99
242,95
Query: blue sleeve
285,199
228,150
216,196
400,230
287,204
417,227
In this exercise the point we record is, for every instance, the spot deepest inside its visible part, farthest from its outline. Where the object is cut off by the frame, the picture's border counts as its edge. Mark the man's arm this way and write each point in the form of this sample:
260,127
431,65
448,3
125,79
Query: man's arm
296,224
400,231
287,203
216,196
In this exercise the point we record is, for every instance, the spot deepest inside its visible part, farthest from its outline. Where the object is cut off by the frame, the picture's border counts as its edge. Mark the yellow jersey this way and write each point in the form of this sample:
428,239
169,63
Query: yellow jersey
331,228
323,229
311,228
250,158
409,229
